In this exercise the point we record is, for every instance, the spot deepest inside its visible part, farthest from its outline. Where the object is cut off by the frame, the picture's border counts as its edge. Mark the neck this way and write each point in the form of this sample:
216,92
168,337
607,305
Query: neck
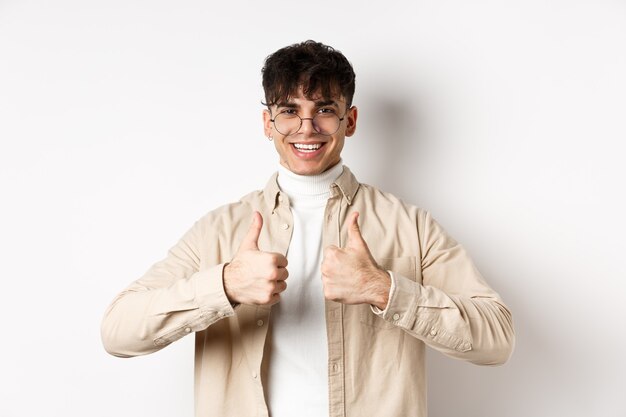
308,188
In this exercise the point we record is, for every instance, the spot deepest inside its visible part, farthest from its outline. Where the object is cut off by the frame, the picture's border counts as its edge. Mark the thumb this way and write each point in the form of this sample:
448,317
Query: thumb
354,232
251,240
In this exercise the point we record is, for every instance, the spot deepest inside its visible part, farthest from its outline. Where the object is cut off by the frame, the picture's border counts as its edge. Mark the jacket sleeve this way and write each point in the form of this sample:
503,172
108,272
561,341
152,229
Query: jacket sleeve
453,310
173,298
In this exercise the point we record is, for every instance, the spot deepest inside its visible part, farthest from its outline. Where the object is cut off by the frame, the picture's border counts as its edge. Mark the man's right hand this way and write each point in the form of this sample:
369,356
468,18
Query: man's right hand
253,276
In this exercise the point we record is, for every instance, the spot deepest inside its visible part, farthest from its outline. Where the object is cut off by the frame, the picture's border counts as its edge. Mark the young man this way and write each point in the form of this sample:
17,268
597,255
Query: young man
317,295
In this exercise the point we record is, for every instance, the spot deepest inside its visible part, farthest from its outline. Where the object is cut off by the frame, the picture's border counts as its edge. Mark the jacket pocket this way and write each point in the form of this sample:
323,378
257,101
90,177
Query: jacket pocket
404,266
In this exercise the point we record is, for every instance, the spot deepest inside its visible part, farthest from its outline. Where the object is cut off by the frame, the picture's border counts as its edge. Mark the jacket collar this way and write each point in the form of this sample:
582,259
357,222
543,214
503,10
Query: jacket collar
346,183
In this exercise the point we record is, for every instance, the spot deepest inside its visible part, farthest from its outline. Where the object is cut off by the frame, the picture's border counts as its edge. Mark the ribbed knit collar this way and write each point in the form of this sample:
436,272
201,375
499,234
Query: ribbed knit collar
308,190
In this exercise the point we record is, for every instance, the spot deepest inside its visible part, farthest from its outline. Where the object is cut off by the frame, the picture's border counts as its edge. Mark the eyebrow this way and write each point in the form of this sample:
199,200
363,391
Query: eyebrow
322,103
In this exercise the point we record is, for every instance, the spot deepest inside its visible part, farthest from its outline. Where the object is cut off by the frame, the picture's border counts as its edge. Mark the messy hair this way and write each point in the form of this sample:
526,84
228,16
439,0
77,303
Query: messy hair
315,67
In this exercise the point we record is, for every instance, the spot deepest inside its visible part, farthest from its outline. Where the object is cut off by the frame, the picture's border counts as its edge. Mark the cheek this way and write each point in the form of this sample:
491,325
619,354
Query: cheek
338,146
282,148
280,145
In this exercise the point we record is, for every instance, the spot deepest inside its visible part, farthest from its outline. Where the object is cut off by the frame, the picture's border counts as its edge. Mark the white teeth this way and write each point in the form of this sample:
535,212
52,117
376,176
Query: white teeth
307,147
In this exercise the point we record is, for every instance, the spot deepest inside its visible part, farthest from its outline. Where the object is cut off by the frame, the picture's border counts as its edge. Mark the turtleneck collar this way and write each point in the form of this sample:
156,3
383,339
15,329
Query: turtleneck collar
308,190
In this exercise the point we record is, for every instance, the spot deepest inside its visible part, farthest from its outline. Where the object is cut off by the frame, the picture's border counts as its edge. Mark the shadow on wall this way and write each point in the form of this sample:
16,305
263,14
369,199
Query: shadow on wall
401,141
392,134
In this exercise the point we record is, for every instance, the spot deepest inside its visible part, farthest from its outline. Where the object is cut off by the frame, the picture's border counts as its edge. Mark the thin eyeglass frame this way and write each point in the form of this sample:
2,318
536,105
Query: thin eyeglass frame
302,119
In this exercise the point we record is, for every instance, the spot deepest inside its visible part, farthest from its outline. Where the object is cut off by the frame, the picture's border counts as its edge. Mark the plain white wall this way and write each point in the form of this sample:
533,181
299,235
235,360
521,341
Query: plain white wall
122,122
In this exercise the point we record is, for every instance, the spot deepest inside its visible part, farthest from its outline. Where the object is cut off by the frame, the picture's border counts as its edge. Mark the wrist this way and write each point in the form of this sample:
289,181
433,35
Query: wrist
381,293
225,275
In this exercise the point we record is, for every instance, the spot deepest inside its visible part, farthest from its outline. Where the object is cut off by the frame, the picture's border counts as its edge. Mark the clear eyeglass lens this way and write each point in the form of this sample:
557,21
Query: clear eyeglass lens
323,123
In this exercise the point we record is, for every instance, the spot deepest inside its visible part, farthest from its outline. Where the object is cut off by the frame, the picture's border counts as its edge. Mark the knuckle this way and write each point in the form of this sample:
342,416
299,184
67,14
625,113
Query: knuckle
267,299
280,258
329,268
274,258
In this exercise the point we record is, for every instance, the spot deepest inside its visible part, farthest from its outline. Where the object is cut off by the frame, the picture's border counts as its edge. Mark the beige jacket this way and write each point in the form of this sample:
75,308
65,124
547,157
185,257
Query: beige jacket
375,361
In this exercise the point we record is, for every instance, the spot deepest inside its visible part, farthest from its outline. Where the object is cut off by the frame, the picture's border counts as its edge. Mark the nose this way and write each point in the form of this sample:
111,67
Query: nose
307,128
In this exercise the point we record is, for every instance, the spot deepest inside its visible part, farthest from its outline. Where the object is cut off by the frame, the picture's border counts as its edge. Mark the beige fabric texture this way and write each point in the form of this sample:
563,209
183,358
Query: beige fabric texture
375,361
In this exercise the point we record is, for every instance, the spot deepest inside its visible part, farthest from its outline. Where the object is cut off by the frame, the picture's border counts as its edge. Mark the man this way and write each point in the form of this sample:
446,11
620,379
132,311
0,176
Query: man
317,295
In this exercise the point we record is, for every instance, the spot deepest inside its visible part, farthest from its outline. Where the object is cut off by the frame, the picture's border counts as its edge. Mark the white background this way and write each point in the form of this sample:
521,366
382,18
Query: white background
122,122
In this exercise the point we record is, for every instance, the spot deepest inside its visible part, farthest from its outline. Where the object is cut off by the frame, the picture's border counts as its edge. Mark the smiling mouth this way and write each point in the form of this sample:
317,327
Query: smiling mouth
308,147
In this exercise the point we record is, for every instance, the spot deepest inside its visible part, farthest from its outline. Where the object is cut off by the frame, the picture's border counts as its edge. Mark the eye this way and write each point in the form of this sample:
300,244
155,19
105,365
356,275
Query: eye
326,110
289,112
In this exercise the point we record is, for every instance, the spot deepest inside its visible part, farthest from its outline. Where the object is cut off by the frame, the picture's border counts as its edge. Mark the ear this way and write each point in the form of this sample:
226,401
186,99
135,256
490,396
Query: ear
351,114
267,123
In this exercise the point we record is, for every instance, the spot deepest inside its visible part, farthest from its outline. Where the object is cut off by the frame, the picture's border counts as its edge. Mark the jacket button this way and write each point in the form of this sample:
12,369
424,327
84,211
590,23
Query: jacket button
259,323
396,317
285,226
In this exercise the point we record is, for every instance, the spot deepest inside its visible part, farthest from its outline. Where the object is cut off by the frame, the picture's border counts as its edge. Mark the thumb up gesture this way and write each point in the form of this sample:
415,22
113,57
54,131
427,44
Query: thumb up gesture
350,275
254,276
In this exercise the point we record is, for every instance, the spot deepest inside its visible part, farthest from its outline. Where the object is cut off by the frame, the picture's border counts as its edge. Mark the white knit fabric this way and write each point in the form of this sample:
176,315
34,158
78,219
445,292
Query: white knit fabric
298,363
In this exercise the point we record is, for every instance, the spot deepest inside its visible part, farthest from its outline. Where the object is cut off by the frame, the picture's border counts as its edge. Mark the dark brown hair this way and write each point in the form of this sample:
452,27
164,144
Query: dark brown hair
315,67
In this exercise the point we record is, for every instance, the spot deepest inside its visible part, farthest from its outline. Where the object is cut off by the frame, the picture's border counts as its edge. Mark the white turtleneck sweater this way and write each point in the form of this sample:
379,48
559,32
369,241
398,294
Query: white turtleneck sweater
298,362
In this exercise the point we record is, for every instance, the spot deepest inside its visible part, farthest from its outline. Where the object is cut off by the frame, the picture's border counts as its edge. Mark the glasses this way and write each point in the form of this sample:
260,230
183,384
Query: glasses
289,123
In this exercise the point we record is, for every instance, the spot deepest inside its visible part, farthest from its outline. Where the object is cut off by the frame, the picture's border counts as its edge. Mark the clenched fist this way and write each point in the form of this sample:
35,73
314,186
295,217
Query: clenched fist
351,275
254,276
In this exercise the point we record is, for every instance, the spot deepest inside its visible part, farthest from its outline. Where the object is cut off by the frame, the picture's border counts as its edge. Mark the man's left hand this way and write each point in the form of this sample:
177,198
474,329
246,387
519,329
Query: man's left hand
351,275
